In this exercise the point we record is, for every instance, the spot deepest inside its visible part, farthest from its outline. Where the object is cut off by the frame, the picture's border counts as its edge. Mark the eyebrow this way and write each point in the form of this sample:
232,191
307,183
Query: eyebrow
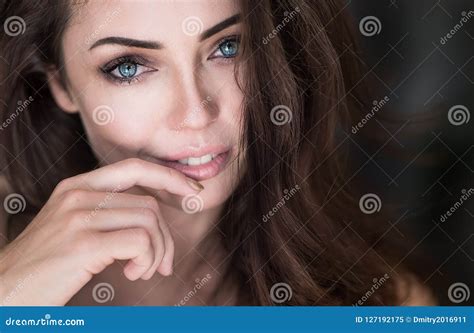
220,26
145,44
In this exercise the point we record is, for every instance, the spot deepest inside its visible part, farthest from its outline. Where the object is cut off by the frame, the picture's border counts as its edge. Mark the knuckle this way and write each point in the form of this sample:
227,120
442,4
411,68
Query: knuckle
142,238
148,214
78,217
133,163
151,203
72,197
172,173
62,185
176,175
85,244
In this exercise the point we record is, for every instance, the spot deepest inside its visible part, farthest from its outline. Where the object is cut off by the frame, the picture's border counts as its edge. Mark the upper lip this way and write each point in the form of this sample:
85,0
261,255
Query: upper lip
196,152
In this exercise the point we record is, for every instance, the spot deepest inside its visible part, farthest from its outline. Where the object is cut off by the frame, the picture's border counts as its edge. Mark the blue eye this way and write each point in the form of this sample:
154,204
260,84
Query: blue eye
228,48
127,69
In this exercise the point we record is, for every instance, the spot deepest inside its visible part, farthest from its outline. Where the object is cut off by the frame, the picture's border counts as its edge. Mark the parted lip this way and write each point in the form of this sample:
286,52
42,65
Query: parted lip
196,152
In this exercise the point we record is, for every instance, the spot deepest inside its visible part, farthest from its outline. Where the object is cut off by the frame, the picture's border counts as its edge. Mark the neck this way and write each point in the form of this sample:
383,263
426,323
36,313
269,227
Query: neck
189,230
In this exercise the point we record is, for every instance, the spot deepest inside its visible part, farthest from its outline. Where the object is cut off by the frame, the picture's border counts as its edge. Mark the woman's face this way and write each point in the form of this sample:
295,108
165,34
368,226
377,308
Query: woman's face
155,80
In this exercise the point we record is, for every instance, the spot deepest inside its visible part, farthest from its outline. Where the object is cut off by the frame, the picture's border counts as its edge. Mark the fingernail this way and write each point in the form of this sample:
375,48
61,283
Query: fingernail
195,185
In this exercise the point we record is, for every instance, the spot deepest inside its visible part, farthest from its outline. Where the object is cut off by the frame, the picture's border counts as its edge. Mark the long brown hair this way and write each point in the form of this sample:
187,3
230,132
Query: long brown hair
293,219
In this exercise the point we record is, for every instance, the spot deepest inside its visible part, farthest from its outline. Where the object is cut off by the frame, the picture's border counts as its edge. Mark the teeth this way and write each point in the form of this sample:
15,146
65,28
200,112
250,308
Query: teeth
197,160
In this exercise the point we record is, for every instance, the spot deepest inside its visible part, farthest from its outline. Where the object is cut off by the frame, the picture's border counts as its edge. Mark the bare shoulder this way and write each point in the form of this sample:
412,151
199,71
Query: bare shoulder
412,291
4,190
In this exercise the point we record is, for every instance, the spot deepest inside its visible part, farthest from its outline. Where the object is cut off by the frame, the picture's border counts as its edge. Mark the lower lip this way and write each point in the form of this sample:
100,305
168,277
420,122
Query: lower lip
203,171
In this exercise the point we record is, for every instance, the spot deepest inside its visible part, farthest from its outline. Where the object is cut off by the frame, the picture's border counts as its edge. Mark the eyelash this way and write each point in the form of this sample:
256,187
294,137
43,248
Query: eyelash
114,64
233,38
111,66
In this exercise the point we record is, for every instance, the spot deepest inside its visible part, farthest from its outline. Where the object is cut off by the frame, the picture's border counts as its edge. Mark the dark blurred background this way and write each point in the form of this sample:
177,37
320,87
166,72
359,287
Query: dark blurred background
420,55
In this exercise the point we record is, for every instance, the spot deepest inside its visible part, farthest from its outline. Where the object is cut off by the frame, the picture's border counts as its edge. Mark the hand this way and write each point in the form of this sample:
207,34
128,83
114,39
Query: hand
86,225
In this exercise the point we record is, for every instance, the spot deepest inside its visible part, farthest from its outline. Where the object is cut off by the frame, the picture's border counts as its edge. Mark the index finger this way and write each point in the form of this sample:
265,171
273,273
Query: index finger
125,174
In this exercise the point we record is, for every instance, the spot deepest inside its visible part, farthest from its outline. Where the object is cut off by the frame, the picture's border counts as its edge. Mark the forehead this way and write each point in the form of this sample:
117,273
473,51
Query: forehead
163,19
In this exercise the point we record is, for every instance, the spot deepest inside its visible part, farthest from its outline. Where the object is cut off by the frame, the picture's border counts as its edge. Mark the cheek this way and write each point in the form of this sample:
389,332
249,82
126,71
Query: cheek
229,95
225,92
120,118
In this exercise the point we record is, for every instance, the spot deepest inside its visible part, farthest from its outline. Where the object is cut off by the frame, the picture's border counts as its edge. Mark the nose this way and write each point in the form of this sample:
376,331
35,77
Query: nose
195,106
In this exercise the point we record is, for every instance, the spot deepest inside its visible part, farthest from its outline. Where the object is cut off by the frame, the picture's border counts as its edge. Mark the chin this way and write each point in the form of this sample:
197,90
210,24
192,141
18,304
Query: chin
216,192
